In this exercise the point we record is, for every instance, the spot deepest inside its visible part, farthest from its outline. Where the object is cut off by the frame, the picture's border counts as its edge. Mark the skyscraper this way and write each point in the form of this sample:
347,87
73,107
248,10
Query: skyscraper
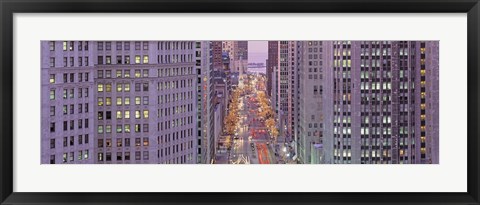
385,103
314,57
272,61
122,101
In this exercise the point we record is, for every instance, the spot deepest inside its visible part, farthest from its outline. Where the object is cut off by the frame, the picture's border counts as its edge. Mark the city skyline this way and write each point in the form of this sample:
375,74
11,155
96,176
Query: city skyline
240,102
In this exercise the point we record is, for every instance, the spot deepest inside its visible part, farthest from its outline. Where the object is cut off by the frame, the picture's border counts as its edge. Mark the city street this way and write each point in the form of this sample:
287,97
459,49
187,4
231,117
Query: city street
252,143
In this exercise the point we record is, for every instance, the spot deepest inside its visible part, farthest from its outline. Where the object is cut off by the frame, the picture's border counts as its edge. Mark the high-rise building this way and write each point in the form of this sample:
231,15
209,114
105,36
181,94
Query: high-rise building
383,107
217,59
205,94
272,61
314,57
122,101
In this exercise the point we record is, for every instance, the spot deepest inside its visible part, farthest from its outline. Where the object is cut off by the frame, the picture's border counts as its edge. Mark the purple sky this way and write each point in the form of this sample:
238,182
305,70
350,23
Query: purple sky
257,51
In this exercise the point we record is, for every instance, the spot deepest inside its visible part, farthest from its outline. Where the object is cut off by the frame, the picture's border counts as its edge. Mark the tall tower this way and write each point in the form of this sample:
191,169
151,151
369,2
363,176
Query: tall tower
385,103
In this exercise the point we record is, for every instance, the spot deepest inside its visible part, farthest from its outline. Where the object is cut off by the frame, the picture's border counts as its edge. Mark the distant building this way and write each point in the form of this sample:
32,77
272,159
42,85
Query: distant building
217,57
271,62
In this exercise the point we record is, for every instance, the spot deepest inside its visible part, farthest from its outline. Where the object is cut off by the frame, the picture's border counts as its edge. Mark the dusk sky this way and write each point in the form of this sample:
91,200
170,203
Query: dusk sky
257,51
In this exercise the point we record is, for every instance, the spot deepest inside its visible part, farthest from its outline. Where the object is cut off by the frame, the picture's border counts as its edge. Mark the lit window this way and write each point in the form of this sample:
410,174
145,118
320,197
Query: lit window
145,59
119,100
65,45
137,73
127,101
127,130
127,114
119,129
100,101
100,129
100,87
137,59
145,141
127,87
108,101
119,114
108,129
108,87
126,73
137,100
52,94
137,114
52,78
145,114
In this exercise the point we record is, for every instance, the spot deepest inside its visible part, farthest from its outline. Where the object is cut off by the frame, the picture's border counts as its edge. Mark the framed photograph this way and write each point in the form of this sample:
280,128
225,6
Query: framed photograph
263,102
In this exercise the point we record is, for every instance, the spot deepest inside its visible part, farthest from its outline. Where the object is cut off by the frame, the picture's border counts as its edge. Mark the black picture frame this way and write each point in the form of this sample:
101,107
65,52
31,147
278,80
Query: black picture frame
10,7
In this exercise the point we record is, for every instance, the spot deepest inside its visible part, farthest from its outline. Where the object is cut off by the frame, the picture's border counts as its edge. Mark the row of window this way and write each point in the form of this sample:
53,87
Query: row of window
81,139
101,143
126,156
107,101
66,157
70,125
107,87
120,128
107,115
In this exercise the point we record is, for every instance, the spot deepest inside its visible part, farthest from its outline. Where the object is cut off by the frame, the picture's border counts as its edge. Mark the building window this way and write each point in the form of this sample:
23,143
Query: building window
145,59
100,101
145,73
52,45
52,78
52,110
65,45
65,63
71,45
108,45
119,100
100,156
127,130
118,74
52,94
127,46
100,46
145,114
108,87
137,155
108,60
100,87
100,60
145,155
127,100
52,127
52,159
127,114
52,143
137,45
100,143
145,141
137,142
119,46
108,74
145,100
126,73
52,62
86,61
137,100
108,157
127,155
145,45
137,59
119,129
127,87
100,129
